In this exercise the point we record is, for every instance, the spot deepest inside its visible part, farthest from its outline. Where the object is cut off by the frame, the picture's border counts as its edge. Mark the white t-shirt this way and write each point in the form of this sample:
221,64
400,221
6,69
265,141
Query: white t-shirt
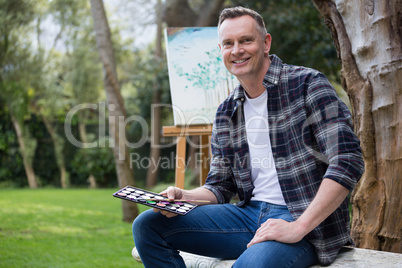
263,171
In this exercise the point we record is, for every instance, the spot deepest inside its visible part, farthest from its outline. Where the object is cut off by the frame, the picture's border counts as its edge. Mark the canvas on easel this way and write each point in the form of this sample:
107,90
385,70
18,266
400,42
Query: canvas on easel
199,81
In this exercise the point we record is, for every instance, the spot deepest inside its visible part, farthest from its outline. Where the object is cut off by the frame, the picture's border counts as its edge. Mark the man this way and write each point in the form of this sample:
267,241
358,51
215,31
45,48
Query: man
283,142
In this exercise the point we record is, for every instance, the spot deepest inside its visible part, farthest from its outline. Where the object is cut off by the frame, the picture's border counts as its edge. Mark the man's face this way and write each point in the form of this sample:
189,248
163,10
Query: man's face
243,48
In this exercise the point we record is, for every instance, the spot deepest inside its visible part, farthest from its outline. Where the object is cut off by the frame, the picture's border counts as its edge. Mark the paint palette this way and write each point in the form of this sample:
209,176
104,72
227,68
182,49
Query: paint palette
154,200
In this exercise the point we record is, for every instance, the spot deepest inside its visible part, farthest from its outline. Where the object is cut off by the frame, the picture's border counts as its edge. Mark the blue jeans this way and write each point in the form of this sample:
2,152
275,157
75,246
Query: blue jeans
221,231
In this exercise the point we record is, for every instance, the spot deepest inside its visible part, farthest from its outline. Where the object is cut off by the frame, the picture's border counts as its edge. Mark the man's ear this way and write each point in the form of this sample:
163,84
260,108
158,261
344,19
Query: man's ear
267,43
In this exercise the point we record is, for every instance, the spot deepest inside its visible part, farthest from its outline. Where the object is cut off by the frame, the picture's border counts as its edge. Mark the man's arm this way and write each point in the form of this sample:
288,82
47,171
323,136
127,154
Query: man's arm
199,193
329,197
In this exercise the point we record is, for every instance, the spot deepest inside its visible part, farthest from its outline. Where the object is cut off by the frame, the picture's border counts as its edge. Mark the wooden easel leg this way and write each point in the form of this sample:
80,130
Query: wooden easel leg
204,161
180,161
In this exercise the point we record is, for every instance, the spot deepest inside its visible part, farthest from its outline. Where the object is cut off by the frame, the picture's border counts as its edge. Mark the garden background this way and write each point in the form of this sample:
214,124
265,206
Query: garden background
62,91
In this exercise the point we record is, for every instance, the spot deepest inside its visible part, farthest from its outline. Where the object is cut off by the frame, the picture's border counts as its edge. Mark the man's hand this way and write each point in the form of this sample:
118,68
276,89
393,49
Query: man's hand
199,193
171,193
278,230
329,196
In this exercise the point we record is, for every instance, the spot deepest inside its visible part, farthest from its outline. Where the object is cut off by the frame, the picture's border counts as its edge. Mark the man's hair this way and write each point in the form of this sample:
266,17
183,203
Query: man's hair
235,12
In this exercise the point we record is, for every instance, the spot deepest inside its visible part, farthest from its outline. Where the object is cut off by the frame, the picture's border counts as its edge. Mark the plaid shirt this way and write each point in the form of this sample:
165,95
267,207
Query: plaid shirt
312,138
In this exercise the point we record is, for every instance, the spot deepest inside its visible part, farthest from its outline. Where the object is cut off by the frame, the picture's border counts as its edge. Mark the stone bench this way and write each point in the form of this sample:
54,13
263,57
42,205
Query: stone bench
348,257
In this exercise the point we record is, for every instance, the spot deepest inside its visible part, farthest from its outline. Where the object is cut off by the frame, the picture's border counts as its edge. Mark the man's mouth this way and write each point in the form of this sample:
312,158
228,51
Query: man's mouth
239,61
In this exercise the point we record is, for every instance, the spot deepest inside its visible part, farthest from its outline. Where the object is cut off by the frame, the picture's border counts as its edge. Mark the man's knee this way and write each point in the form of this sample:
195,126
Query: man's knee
141,225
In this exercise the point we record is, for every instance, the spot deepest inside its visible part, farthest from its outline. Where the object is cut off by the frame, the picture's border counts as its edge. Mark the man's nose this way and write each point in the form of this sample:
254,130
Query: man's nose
237,49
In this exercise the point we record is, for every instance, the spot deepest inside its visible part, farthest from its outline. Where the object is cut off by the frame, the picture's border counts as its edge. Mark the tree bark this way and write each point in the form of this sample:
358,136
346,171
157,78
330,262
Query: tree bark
209,14
27,162
367,35
115,102
178,13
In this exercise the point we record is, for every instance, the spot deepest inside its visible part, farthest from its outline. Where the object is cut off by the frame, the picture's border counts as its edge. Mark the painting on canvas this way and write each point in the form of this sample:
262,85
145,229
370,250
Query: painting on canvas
199,81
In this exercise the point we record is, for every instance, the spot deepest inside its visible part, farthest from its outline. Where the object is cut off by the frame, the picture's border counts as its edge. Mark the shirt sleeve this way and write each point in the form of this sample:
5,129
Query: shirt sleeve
220,177
332,126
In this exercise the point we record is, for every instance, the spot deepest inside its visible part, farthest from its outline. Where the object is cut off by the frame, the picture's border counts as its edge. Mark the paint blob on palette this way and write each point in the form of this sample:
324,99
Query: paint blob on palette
154,200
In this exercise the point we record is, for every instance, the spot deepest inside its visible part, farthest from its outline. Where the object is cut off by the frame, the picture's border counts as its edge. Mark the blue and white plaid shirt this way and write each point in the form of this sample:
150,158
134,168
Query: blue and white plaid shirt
312,138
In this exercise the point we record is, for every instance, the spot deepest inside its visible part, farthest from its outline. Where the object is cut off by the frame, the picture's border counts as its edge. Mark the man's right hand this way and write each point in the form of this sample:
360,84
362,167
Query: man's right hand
171,193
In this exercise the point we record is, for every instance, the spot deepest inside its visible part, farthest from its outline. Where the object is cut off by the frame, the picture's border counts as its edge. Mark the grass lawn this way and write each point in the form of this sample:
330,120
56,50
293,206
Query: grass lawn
64,228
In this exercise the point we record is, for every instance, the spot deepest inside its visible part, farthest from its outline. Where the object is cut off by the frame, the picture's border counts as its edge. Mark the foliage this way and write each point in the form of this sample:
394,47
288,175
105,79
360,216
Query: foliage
146,74
83,80
97,161
13,15
20,76
20,71
11,169
82,73
44,160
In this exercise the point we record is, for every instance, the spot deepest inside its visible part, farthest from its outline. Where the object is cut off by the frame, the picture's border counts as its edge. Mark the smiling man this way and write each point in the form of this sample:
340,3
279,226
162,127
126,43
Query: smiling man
245,47
282,142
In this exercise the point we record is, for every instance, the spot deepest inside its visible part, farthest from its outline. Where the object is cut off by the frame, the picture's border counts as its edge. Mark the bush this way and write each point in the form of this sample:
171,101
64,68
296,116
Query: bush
99,162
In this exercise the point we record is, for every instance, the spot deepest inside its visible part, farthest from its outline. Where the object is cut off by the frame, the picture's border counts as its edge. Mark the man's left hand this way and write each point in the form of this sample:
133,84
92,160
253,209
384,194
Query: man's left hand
278,230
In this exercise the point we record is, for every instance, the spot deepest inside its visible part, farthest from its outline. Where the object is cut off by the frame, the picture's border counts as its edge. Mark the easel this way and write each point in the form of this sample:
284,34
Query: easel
204,131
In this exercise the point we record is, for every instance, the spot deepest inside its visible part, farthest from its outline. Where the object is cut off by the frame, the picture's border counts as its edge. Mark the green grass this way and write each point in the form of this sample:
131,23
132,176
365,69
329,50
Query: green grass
63,228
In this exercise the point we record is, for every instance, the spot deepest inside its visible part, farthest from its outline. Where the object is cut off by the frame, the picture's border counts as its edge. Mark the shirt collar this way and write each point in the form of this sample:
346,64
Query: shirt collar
271,77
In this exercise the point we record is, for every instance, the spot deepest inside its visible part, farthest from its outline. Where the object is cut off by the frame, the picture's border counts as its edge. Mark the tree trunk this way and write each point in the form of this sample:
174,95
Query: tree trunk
178,13
116,106
367,35
58,151
27,162
152,173
209,14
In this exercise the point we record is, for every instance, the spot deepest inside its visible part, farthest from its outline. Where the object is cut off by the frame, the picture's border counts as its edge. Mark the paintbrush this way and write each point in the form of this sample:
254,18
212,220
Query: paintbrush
174,200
